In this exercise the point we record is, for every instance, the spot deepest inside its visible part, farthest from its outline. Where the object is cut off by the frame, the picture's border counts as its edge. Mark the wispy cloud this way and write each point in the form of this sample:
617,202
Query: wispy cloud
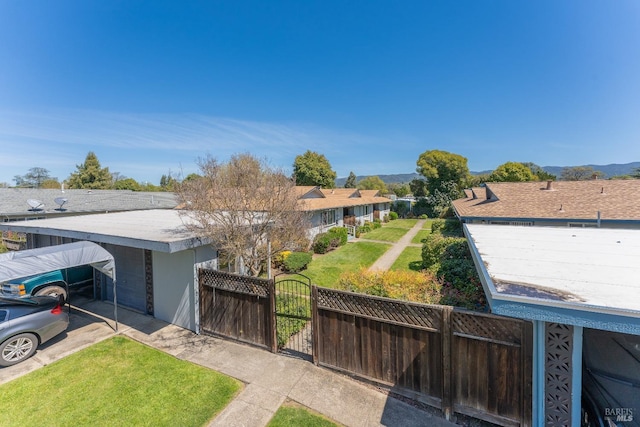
150,144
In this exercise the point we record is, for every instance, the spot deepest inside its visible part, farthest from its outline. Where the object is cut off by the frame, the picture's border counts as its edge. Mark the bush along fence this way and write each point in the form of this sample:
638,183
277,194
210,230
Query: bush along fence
458,361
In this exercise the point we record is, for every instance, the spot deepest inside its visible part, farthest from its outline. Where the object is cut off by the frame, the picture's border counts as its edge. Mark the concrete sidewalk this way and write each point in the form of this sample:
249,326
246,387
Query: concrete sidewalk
389,257
269,378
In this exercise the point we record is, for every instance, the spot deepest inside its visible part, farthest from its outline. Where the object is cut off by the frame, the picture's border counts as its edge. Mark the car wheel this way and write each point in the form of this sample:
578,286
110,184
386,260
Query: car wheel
17,348
53,291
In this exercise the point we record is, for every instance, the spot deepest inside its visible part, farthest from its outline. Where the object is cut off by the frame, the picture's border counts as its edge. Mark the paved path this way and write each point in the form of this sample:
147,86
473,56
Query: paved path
269,379
389,257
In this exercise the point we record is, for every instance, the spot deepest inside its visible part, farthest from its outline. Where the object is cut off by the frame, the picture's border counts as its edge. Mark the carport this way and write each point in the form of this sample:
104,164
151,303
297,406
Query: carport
14,265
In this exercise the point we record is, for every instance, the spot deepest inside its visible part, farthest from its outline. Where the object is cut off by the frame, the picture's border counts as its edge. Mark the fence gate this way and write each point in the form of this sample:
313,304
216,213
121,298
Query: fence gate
294,330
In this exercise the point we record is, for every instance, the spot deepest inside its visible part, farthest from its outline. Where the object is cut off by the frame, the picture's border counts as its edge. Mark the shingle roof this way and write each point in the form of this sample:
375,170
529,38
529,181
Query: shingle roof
614,199
342,197
13,201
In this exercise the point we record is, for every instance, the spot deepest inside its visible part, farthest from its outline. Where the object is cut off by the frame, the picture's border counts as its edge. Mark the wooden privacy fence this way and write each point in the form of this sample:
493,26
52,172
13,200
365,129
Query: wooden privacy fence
460,361
237,307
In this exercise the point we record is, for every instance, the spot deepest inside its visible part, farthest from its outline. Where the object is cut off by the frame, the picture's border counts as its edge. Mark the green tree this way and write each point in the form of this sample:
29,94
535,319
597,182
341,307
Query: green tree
168,182
542,174
635,173
33,178
373,183
441,166
90,175
351,181
51,183
512,172
580,173
127,184
399,189
418,187
312,168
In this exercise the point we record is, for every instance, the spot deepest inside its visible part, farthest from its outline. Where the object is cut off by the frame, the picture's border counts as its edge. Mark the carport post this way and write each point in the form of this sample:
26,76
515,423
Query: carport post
115,301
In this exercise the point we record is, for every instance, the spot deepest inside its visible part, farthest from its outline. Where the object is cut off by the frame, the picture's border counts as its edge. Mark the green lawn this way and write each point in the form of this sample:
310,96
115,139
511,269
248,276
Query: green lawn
409,259
422,234
290,415
325,269
117,382
387,233
427,224
402,223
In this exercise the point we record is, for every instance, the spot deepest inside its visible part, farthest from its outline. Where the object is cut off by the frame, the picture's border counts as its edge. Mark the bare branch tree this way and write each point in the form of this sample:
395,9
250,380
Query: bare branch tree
241,205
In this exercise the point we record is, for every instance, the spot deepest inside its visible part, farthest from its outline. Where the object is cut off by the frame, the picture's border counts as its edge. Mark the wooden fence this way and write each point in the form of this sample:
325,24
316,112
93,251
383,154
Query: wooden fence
237,307
470,363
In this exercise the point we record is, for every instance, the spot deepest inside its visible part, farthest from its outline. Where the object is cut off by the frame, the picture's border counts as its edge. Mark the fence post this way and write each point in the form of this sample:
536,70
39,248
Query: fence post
315,339
445,334
272,316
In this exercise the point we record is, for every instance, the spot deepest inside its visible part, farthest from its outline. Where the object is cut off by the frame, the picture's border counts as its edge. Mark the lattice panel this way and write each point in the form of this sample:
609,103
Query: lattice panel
492,328
558,374
381,308
235,283
148,280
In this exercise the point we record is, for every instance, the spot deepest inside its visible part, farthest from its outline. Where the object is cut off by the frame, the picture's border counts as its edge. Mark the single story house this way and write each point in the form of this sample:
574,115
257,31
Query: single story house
156,258
594,203
338,207
580,287
24,204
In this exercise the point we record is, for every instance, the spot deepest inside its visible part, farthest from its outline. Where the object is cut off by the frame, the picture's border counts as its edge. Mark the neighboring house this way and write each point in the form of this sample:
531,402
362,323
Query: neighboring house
337,207
580,288
156,258
595,203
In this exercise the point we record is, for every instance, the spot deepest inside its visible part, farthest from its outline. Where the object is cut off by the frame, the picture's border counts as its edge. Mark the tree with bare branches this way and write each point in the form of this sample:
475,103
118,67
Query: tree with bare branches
244,206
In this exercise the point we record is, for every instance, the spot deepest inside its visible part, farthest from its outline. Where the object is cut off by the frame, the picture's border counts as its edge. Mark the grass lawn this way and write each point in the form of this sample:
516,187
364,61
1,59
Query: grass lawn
420,235
402,223
291,414
387,233
325,269
117,382
409,260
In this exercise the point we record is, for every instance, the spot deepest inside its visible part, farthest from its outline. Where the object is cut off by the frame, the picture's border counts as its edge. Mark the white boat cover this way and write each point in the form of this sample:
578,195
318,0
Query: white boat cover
17,264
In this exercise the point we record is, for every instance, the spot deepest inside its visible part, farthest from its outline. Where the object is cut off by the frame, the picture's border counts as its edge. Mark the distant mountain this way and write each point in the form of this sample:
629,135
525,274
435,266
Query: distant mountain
613,169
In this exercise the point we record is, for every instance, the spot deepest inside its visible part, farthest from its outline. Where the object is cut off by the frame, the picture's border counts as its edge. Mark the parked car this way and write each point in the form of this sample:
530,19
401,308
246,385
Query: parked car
53,283
25,323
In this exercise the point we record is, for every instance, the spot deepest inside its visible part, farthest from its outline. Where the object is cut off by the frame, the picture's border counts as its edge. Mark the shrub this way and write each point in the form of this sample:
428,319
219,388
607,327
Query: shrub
339,233
296,261
405,285
278,259
393,216
325,242
321,243
376,224
433,247
437,225
423,216
386,218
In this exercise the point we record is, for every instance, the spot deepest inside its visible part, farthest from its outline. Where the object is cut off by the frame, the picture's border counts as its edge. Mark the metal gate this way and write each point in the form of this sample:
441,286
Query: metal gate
294,330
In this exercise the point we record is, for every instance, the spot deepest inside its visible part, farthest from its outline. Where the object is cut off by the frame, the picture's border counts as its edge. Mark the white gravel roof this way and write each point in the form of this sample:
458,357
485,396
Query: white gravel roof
591,269
159,229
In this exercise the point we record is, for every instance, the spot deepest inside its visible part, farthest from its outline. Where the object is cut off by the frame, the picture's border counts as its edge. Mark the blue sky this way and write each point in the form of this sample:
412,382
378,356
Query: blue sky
151,86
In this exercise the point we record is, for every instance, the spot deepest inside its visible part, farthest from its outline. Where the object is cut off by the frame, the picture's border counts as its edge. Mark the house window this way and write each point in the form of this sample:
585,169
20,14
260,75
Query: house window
367,210
329,217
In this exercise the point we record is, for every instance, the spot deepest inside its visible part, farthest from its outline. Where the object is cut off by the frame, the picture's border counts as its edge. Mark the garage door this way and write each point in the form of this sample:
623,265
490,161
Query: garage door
130,275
